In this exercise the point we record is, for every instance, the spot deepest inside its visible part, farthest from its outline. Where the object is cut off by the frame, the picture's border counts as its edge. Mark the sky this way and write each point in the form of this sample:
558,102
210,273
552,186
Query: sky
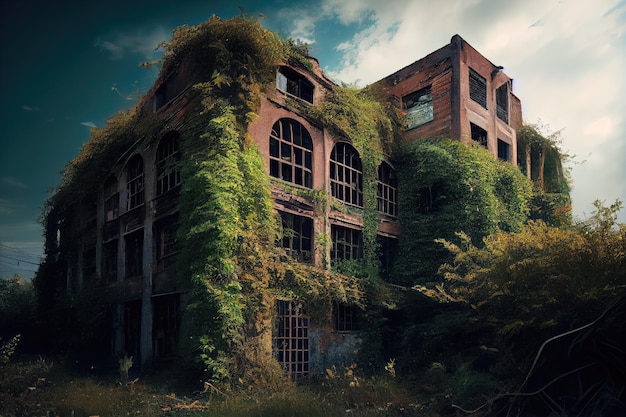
65,67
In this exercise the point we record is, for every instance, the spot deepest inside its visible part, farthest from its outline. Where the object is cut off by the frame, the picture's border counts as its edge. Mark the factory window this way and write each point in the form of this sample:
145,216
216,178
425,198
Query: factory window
504,150
502,102
134,184
165,325
346,174
291,153
347,244
478,88
111,199
291,82
345,318
418,107
479,135
165,232
291,338
297,236
167,163
387,190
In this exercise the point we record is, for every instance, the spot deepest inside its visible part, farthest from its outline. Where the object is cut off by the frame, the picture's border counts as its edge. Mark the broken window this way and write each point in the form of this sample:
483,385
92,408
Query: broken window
134,184
165,232
291,338
111,199
345,318
291,82
419,108
504,150
478,88
109,261
502,102
387,190
167,160
479,135
346,174
347,244
165,325
134,253
291,153
297,236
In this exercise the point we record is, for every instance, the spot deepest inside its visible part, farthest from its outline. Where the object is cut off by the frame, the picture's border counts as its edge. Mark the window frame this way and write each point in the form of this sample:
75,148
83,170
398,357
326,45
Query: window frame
167,163
291,153
299,242
346,167
352,239
135,189
419,108
502,102
111,196
294,84
387,190
504,145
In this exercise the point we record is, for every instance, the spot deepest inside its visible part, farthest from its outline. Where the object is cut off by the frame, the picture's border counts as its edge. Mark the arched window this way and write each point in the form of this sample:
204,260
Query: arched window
291,153
387,190
346,174
167,159
134,183
111,198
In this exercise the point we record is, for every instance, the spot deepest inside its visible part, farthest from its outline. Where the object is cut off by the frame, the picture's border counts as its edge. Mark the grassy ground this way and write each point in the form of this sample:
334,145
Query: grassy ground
40,388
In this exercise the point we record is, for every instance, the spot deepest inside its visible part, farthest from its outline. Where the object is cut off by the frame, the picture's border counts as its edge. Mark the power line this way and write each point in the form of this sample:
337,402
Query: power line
19,260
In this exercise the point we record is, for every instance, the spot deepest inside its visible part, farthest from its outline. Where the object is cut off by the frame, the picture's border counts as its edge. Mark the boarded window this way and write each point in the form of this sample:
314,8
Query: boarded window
504,150
167,163
291,338
478,88
293,83
502,102
134,184
419,108
346,174
291,153
479,135
297,236
387,190
347,244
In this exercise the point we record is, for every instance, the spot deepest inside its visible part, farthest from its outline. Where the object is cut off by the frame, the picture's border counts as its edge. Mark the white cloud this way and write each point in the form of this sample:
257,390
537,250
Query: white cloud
89,124
30,108
12,182
141,42
568,60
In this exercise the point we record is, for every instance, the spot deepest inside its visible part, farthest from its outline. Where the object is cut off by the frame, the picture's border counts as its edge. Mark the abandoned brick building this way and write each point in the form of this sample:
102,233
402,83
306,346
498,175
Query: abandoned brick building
128,241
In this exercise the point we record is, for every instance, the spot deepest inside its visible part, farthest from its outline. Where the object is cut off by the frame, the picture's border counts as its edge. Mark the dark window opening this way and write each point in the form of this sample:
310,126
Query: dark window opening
297,239
134,184
293,83
347,244
430,199
89,263
418,107
387,190
346,318
165,325
165,93
132,329
165,233
167,163
111,199
478,88
291,338
291,153
346,174
479,135
502,102
134,253
388,247
109,261
504,150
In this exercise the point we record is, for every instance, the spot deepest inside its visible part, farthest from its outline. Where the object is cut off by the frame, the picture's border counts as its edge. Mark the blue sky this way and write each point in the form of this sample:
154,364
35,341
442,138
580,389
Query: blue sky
68,66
